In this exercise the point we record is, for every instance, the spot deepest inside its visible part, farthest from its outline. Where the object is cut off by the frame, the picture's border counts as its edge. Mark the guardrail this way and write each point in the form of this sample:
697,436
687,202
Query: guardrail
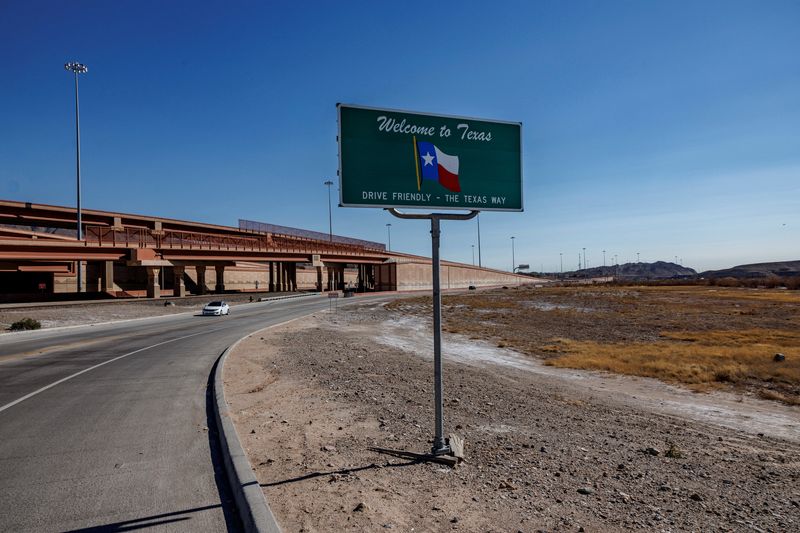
184,240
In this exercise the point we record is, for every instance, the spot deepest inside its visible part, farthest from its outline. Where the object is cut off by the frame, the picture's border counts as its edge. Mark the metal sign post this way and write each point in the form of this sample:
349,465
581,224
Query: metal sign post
333,297
396,159
439,445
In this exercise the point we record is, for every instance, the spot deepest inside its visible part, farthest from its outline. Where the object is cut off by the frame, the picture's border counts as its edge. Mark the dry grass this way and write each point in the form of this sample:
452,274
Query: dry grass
699,336
695,358
767,295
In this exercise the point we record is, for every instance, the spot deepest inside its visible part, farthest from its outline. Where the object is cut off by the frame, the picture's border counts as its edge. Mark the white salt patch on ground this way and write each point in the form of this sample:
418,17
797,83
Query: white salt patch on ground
544,306
743,413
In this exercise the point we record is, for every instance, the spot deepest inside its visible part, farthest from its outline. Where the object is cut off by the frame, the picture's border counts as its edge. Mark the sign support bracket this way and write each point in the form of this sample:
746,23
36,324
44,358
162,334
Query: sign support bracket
439,445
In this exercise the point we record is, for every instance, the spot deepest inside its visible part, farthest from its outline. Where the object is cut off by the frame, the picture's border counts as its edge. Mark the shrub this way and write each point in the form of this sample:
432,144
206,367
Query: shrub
673,452
25,323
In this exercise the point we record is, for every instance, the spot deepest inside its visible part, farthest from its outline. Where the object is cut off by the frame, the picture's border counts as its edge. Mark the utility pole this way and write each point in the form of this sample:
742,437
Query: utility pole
473,254
513,259
584,258
561,262
604,258
389,235
78,68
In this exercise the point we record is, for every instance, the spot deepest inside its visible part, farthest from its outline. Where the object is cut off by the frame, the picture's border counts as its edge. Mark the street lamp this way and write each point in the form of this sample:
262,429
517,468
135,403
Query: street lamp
473,254
585,266
330,213
561,261
77,68
389,233
513,259
604,258
637,257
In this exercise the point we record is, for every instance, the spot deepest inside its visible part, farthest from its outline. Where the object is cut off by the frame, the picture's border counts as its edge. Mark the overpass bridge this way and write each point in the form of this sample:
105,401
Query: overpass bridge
136,255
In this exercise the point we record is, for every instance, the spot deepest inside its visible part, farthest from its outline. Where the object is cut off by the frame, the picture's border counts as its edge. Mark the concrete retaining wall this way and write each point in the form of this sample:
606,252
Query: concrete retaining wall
417,275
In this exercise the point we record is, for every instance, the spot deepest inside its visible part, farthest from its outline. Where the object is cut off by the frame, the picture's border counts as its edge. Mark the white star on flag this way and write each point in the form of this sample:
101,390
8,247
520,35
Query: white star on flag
428,159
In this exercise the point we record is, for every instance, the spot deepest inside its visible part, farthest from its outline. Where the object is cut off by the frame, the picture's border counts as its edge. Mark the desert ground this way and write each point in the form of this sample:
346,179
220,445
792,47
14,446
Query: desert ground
554,442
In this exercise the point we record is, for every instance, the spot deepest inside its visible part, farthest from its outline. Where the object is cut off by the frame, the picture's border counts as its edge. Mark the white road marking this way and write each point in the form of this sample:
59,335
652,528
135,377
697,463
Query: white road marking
62,380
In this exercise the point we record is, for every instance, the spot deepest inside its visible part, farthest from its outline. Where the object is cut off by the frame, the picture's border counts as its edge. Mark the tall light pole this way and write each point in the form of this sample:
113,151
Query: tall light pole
561,262
513,259
330,213
585,266
637,257
473,254
389,236
478,218
604,258
77,68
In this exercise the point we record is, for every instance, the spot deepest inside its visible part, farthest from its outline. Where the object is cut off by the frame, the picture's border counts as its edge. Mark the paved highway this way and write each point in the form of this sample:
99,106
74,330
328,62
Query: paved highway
109,427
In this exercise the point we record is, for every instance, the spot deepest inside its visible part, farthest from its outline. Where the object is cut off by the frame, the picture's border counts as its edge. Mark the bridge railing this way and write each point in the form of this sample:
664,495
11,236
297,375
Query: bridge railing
128,237
183,240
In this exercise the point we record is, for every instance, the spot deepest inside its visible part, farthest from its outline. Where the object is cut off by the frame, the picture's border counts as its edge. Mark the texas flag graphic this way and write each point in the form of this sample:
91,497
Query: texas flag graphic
433,164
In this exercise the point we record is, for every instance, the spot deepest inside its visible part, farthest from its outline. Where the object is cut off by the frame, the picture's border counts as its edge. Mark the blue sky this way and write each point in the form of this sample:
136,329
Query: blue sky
664,128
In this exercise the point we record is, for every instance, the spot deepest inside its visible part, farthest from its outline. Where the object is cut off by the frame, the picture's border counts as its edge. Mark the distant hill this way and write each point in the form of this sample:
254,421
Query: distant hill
756,270
657,270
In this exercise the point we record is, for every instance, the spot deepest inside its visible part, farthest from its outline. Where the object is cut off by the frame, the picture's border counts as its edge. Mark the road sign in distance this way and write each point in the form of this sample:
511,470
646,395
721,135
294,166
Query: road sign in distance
390,158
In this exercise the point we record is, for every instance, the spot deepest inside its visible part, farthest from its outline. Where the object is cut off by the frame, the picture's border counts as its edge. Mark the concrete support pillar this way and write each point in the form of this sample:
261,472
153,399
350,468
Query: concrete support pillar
293,277
201,279
179,289
285,277
319,278
153,288
82,266
329,272
107,276
272,276
220,286
361,273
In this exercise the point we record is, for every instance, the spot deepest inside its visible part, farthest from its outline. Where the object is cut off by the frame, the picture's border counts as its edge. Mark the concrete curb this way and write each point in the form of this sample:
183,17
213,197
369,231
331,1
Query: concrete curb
253,508
250,501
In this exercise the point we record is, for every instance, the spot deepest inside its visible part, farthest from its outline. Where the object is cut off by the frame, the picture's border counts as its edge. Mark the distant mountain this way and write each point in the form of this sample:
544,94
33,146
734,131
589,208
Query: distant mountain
756,270
657,270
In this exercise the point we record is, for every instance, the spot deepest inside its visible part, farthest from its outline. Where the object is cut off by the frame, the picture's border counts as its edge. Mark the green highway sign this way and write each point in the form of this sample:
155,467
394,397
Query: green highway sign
390,158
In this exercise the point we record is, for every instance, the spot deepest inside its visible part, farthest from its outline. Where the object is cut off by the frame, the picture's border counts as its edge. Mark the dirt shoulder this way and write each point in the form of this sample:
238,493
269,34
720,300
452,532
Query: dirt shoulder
544,451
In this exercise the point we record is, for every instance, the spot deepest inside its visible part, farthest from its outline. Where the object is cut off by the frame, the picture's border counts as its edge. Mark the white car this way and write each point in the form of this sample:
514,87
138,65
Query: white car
217,309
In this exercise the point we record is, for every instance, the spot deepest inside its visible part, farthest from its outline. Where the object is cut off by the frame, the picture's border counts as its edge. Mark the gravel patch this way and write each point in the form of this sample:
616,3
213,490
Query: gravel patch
543,452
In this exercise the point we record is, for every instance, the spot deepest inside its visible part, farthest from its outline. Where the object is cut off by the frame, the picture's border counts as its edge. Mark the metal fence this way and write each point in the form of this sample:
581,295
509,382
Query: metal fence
263,227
